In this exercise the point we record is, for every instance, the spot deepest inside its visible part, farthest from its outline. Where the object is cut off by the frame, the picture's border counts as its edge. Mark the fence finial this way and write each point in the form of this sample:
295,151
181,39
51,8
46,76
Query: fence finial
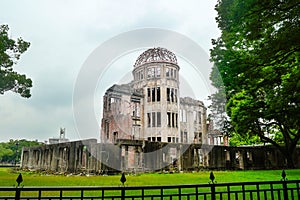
283,175
212,177
19,179
123,178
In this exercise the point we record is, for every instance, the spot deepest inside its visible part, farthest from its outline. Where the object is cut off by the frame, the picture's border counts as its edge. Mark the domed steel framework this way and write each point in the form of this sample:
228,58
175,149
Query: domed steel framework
156,55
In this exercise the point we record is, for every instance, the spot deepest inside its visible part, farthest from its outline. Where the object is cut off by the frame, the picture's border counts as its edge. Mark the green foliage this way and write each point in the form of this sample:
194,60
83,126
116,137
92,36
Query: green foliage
10,52
257,57
239,140
11,151
218,112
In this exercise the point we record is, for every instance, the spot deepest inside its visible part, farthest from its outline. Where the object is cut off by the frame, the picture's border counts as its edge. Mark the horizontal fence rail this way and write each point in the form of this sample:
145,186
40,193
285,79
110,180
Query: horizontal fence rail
284,190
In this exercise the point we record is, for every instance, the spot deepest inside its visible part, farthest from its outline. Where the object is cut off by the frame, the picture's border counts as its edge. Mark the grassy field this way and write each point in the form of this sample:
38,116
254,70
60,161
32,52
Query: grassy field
8,178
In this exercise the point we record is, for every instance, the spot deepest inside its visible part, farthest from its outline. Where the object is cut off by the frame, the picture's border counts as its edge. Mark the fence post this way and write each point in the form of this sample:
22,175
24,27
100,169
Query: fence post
212,186
213,191
123,180
18,192
123,193
285,191
284,186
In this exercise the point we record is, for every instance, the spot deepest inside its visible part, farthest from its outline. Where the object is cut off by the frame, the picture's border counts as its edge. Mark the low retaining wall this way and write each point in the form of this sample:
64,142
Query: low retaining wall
88,156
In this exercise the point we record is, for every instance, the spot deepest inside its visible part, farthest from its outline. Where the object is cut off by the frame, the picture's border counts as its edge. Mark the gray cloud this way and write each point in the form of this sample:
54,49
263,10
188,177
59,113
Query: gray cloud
62,35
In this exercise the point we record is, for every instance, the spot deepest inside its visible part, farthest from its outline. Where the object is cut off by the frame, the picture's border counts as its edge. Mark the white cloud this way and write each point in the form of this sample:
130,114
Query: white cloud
62,34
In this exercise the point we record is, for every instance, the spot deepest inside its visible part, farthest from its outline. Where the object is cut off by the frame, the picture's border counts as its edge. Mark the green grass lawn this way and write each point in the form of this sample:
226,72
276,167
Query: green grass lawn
8,178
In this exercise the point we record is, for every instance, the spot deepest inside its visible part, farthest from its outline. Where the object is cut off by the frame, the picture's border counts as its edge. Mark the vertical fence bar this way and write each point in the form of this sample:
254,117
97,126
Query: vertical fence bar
196,192
40,194
292,193
251,195
257,191
265,195
243,192
18,193
298,192
228,192
213,191
61,194
123,193
278,195
285,192
272,191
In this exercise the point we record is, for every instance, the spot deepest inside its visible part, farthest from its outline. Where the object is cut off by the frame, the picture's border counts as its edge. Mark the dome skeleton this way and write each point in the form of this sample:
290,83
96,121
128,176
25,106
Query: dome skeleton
156,55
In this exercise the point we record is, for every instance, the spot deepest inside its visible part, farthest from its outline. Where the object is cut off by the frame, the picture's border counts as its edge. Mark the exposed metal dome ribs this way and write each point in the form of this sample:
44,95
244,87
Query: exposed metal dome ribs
156,55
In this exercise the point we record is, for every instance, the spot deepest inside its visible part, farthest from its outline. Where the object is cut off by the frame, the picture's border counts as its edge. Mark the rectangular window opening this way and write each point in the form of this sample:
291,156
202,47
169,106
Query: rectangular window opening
153,94
168,94
152,72
158,119
169,139
158,72
169,119
142,74
153,119
158,94
149,73
173,120
149,119
148,95
195,116
185,138
172,95
167,72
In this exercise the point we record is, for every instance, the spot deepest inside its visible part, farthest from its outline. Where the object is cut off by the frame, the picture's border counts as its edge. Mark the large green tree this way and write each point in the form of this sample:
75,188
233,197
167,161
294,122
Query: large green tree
10,52
257,57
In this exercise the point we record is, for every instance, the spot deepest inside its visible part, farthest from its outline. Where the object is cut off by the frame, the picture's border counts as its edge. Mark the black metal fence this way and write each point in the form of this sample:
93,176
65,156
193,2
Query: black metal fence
285,190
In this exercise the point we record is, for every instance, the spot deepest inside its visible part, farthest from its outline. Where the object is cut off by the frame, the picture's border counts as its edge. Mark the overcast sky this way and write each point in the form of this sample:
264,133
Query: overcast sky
63,33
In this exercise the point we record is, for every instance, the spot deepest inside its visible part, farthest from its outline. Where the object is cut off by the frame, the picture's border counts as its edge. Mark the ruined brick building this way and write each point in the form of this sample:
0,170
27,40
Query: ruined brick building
150,107
147,126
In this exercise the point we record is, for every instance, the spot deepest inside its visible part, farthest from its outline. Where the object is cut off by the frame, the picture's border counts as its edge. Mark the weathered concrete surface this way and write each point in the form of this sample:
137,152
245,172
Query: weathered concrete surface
139,156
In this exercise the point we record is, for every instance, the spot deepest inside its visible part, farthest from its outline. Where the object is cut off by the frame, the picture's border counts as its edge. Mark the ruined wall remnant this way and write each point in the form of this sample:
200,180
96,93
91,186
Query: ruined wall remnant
88,156
61,157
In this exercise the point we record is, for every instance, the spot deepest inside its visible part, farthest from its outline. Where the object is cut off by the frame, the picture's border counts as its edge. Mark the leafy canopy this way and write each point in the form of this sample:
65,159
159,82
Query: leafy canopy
10,52
11,151
257,57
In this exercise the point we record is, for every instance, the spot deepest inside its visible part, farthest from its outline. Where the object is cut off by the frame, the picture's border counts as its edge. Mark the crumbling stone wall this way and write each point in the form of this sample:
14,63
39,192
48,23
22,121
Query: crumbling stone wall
62,157
88,156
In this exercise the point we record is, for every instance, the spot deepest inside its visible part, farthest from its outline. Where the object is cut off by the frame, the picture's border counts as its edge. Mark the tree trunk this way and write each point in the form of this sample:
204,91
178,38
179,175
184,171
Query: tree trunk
289,158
